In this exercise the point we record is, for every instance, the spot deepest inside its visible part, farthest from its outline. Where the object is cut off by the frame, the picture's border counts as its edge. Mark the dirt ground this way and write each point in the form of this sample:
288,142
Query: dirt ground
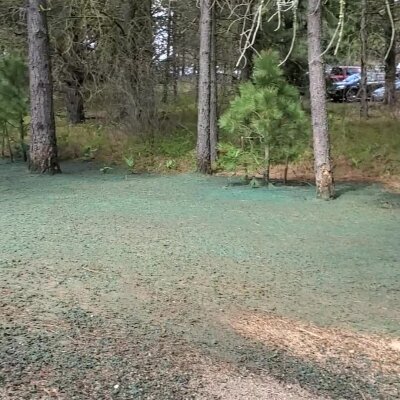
189,287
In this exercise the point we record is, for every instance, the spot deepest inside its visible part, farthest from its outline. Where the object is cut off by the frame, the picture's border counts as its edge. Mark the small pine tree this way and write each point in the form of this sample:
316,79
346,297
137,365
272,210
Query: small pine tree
13,99
267,115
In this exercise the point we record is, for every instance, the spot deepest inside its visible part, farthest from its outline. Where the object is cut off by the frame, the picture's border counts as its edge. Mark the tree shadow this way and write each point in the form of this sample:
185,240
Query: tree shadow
333,378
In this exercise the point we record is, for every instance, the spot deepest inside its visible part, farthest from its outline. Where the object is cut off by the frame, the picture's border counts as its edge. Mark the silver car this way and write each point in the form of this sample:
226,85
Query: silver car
379,94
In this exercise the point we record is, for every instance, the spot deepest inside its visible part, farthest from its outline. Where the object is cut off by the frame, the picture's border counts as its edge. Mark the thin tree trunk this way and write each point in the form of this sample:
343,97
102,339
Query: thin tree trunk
175,61
204,106
213,91
267,164
74,99
364,44
74,75
10,152
167,76
196,76
3,144
247,70
390,63
323,166
22,139
43,150
286,170
175,81
183,58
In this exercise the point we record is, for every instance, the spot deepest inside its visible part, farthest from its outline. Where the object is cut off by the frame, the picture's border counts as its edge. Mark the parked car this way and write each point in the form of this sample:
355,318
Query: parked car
340,73
349,89
379,94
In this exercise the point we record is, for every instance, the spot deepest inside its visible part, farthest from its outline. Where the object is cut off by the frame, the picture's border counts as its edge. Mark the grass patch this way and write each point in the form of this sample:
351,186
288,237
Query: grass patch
113,145
372,146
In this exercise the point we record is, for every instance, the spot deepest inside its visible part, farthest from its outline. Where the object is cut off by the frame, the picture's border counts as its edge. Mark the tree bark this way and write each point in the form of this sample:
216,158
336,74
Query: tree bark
3,144
390,63
267,164
364,44
10,152
323,166
213,90
286,170
175,55
43,149
167,71
22,138
247,70
74,99
204,97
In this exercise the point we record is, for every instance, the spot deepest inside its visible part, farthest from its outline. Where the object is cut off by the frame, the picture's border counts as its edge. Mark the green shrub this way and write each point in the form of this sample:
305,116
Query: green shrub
265,121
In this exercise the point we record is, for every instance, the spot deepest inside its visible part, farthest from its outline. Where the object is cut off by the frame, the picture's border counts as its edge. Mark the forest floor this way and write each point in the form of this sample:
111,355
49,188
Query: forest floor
189,287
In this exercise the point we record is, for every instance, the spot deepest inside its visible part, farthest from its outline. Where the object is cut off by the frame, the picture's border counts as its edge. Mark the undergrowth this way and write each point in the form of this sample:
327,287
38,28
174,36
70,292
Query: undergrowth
371,146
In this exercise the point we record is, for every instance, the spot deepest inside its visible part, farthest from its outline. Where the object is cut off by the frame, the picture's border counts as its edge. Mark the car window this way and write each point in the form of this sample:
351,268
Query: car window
336,71
352,71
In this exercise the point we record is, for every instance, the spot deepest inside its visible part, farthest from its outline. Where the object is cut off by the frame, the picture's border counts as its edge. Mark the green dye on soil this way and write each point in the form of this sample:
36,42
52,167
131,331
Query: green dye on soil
334,263
175,253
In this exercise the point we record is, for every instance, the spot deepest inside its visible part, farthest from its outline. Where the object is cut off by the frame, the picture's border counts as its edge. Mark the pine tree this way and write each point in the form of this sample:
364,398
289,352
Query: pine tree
13,99
267,114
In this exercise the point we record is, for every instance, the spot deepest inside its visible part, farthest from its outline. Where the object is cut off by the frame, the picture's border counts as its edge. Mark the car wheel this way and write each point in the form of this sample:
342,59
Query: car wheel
352,95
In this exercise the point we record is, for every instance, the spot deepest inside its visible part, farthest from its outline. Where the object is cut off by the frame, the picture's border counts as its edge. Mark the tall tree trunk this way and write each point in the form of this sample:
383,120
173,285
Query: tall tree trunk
364,44
390,61
204,97
167,76
213,90
323,166
175,54
43,149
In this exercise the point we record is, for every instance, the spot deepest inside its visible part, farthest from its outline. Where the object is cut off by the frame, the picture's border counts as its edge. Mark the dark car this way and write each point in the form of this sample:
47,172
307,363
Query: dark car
349,89
338,74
